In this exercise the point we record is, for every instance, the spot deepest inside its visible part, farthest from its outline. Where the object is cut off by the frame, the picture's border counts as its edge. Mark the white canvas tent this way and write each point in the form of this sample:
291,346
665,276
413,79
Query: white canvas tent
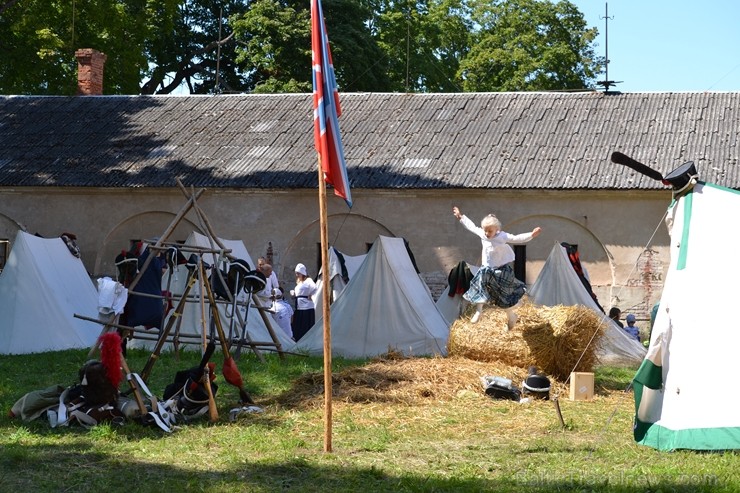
559,284
685,396
41,288
192,316
386,305
351,265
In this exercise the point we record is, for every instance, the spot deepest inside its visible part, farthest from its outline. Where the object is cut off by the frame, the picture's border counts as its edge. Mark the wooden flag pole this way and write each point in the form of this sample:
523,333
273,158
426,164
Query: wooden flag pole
325,307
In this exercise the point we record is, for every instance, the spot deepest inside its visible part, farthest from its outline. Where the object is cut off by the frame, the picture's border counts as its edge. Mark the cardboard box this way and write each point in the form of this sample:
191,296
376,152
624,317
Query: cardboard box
581,386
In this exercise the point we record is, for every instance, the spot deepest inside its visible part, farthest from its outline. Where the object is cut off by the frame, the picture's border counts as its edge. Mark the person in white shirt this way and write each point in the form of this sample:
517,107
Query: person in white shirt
305,313
282,312
495,282
271,282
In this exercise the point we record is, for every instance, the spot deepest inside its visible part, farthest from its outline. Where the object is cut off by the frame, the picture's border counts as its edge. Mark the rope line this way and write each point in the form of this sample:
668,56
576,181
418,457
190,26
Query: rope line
634,266
339,230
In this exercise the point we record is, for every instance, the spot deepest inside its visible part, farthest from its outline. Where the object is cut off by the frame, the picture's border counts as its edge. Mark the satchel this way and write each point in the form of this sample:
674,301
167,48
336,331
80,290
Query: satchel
500,388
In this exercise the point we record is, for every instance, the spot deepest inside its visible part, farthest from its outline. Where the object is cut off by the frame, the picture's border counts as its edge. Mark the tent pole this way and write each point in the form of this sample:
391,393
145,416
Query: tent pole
325,309
213,238
165,236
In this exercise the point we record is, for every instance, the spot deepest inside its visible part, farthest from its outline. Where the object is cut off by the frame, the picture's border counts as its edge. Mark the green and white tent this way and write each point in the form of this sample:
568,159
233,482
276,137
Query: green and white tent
684,390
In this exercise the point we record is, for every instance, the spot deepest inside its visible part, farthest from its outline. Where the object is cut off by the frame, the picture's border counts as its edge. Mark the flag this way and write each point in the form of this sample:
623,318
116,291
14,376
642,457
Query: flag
326,108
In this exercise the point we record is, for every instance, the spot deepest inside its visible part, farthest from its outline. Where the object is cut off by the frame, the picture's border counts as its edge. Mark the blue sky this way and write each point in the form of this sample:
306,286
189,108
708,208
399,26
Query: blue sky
661,45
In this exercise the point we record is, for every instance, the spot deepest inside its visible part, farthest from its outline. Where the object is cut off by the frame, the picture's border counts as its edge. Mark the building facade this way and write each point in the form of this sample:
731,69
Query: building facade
106,169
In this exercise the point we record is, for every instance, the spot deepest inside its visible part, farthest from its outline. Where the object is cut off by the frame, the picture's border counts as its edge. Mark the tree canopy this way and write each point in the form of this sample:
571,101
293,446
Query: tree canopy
529,45
38,39
210,46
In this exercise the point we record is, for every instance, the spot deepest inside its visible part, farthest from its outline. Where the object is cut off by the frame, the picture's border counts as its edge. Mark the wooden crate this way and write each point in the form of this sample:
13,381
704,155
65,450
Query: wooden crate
581,386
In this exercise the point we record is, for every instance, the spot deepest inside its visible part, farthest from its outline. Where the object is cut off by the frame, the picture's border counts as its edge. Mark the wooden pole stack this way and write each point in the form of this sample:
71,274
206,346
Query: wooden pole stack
216,248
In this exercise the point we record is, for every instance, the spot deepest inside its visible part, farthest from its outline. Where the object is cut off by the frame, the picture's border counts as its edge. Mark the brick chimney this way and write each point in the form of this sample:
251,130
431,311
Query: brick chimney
90,64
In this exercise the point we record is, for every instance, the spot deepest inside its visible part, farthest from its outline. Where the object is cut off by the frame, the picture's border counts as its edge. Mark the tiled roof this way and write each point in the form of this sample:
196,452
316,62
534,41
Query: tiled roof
416,141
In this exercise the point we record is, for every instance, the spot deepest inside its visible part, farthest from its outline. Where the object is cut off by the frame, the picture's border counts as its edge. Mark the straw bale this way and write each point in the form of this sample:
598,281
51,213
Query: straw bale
552,338
557,339
561,338
489,340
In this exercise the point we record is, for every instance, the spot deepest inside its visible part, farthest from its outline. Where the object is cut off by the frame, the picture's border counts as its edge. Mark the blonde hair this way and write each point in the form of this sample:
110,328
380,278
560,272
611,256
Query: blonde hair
490,220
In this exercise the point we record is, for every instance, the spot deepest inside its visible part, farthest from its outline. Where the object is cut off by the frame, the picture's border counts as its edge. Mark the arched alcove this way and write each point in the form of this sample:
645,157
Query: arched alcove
349,233
594,255
146,225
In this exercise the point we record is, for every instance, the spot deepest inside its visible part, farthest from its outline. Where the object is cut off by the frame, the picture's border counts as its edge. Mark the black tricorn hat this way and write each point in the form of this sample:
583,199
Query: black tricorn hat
681,176
254,280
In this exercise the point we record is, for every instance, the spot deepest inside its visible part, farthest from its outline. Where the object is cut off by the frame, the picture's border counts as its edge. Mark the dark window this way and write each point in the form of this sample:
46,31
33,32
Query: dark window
520,263
4,247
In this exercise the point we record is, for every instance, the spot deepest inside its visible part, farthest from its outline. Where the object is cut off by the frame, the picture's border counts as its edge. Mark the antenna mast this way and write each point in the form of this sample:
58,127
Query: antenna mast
217,86
606,82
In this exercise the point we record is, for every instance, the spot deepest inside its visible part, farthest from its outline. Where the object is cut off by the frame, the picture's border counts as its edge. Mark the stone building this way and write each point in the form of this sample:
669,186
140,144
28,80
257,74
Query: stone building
106,168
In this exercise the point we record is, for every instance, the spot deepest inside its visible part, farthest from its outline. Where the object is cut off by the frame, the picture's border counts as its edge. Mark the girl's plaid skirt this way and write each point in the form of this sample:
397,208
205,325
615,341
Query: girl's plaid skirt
497,286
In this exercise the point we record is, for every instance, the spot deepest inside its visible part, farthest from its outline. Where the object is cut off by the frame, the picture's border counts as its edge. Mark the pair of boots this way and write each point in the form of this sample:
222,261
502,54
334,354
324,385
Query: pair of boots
510,315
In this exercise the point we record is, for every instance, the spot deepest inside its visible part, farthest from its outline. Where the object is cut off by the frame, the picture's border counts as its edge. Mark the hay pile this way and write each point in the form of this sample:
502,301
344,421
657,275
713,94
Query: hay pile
399,380
556,339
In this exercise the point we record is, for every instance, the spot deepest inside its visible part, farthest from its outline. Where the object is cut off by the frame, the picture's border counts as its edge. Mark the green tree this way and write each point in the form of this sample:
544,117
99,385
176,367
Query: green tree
152,46
274,41
196,48
423,42
214,46
358,59
529,45
38,39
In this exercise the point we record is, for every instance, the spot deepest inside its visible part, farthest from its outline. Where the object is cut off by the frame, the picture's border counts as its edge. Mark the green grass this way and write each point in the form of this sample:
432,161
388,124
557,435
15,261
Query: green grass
469,443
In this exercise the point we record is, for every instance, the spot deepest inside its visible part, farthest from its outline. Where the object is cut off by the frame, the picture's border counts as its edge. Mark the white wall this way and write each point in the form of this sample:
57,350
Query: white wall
612,228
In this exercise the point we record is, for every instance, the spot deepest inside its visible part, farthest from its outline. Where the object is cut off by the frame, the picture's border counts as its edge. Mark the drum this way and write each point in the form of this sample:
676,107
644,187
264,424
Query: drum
681,176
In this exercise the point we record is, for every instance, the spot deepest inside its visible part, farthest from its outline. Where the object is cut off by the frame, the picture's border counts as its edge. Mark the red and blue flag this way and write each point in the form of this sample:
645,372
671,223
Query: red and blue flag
326,108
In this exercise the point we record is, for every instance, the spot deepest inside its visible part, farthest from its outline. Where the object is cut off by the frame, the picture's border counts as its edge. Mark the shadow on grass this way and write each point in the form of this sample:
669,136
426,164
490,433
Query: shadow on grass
353,385
51,468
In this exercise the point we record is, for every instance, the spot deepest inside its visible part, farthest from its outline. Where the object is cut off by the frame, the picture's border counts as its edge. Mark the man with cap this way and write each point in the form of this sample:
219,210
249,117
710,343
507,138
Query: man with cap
631,329
305,314
271,282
